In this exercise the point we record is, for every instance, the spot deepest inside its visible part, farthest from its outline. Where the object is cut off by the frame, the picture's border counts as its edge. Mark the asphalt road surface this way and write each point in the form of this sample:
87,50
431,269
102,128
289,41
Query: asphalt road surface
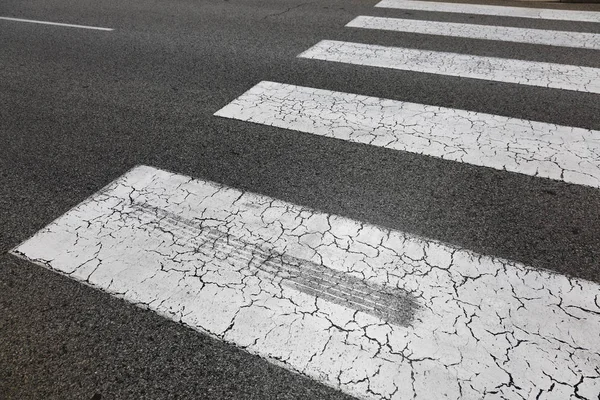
80,107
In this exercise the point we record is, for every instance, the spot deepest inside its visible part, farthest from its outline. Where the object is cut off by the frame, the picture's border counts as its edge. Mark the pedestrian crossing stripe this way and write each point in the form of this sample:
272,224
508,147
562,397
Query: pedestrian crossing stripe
487,32
516,145
484,9
412,318
558,76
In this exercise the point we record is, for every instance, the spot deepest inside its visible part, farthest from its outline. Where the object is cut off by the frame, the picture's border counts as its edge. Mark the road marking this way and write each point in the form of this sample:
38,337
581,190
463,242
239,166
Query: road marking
502,11
558,76
516,145
231,263
487,32
32,21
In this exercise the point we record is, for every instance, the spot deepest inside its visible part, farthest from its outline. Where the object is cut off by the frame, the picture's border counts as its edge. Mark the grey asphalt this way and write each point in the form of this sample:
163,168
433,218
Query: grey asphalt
78,108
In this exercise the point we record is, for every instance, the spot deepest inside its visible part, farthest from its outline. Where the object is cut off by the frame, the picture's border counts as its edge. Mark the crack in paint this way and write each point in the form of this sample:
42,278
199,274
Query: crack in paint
543,74
393,305
485,32
189,250
527,147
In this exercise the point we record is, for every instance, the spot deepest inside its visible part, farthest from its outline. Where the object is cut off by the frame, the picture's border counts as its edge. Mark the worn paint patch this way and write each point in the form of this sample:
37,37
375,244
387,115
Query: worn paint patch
486,32
531,73
484,9
216,259
509,144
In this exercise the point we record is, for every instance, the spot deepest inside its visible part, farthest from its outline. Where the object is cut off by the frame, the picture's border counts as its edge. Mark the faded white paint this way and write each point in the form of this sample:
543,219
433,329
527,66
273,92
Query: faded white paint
482,9
516,145
33,21
559,76
487,32
201,253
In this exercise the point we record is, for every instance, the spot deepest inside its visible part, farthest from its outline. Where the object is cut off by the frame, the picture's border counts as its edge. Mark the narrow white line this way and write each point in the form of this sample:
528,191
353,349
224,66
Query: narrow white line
516,145
502,11
478,325
32,21
558,76
508,34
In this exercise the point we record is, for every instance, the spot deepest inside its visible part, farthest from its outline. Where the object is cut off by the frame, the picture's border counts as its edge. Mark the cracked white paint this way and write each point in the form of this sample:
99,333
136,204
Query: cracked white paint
487,32
526,147
502,11
482,328
558,76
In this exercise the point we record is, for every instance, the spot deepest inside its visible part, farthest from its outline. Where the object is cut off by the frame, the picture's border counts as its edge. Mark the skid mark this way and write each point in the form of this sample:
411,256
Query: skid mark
392,305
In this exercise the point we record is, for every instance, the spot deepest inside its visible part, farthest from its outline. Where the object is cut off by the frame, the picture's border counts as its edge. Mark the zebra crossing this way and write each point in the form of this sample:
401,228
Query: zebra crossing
527,147
375,312
473,31
500,11
569,77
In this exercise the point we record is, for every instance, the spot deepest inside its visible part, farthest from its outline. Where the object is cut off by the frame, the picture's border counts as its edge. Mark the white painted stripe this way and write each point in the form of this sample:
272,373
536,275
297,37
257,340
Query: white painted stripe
481,9
487,32
516,145
55,23
475,327
558,76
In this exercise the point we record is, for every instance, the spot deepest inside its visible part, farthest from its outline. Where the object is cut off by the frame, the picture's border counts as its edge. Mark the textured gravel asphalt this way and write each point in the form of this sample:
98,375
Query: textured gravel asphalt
78,108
